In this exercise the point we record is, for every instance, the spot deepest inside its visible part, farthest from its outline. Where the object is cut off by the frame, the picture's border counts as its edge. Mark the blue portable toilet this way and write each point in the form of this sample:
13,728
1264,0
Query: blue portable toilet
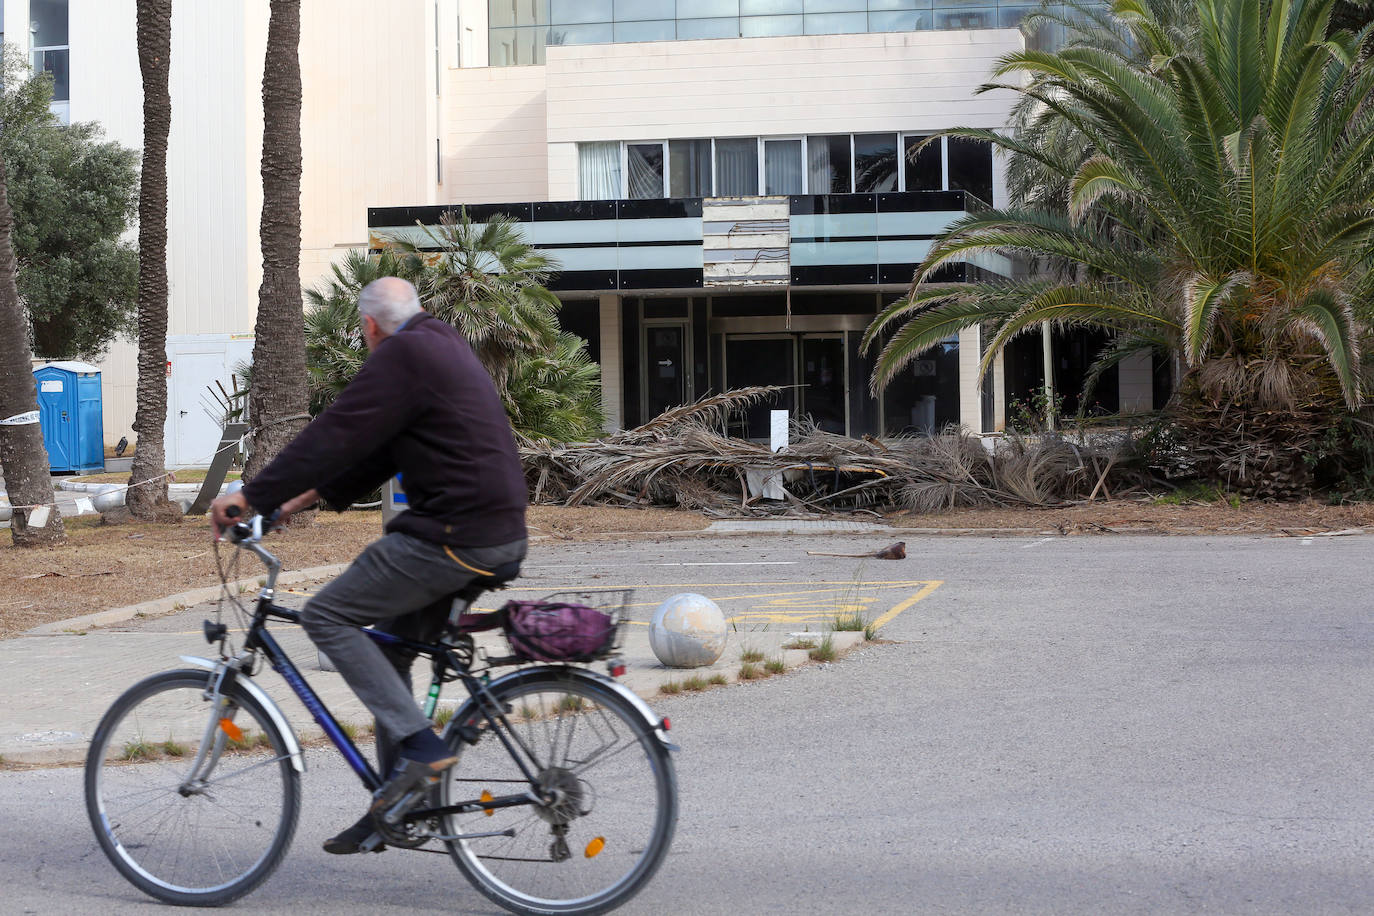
69,410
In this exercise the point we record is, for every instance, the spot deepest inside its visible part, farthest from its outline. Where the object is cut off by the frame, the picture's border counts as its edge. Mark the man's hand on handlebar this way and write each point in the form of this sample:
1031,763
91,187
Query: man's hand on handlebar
220,515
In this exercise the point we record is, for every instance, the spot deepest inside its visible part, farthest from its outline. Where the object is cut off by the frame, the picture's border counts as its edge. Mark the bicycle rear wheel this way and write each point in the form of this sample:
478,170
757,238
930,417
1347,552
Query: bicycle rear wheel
201,838
604,836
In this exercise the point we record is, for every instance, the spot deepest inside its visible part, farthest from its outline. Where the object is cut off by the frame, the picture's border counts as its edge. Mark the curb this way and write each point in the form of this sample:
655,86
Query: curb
161,607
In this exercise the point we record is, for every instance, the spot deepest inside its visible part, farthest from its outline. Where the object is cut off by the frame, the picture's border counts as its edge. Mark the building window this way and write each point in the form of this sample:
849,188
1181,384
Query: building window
924,171
737,167
782,167
598,170
828,164
970,167
689,168
875,162
644,170
49,45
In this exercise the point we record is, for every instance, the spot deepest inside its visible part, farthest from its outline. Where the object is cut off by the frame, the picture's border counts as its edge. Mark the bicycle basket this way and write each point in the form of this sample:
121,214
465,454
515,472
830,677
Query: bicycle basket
568,626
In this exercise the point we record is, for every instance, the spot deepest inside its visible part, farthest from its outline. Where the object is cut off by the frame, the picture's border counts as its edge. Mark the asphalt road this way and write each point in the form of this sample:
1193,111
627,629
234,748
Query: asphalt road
1068,725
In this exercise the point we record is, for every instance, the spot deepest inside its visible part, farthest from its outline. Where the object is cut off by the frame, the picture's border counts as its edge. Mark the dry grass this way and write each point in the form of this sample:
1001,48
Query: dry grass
108,566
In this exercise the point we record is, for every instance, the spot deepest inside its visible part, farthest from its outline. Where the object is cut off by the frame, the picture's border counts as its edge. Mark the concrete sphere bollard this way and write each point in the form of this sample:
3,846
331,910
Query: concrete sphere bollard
6,513
688,631
110,497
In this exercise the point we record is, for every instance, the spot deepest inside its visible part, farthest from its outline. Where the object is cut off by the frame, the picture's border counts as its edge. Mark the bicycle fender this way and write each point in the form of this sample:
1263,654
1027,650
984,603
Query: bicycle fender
293,746
653,721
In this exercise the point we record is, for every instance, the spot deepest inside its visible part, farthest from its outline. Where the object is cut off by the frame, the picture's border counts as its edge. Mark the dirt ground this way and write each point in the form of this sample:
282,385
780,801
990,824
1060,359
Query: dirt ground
106,566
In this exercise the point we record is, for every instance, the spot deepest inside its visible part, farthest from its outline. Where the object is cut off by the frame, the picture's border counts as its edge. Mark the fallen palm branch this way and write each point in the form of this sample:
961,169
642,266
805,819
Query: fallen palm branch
684,459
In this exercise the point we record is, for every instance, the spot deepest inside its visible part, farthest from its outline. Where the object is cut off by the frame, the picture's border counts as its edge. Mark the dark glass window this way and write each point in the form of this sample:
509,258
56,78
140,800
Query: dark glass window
782,166
828,164
516,47
875,162
922,168
689,168
970,167
704,9
649,30
645,165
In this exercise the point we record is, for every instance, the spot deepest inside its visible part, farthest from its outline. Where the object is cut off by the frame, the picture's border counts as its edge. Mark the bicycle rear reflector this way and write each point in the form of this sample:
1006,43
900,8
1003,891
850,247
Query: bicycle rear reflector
233,731
595,847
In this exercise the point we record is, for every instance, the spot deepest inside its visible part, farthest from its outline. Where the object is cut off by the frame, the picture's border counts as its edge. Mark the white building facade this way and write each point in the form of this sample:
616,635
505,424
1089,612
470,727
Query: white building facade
731,187
369,133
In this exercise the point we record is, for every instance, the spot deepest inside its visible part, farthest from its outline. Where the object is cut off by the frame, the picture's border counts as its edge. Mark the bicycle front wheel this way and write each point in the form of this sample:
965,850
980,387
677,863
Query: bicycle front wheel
609,786
194,803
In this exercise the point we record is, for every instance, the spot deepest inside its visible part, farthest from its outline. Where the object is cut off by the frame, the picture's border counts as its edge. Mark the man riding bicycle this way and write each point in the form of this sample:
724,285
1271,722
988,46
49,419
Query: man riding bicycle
423,406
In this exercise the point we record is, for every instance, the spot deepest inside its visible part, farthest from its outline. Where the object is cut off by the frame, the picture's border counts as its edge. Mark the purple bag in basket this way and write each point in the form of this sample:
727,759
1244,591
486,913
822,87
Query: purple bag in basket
549,631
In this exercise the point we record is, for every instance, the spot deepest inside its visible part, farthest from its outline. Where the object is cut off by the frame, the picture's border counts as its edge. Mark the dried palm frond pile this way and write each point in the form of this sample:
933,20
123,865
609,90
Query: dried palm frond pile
684,459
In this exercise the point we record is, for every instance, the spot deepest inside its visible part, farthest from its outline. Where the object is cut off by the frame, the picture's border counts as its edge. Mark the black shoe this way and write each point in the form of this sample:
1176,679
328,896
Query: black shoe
350,841
409,776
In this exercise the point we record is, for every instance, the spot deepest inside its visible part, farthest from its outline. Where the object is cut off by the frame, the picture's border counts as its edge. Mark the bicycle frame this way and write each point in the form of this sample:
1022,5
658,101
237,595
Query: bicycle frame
443,660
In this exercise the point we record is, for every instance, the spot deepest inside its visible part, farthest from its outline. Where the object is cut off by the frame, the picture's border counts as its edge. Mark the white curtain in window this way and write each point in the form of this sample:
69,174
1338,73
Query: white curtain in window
737,167
782,166
820,171
645,162
598,167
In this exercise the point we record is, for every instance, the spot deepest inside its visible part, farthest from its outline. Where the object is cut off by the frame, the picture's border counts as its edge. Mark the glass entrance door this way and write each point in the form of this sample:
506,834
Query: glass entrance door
822,379
756,359
665,368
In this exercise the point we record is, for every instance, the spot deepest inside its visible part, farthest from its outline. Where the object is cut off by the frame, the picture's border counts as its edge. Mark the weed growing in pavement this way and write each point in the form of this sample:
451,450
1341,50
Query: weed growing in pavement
694,683
849,622
749,671
825,652
800,642
138,750
443,715
870,632
751,655
774,666
172,748
669,688
718,680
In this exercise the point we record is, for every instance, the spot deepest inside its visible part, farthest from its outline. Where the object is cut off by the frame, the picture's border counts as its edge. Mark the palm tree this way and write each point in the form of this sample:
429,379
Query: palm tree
277,400
1217,167
555,395
489,283
147,485
23,459
549,386
334,348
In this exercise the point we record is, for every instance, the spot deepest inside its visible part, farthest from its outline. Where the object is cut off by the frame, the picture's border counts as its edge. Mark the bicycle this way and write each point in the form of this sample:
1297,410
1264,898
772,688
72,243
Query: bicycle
193,776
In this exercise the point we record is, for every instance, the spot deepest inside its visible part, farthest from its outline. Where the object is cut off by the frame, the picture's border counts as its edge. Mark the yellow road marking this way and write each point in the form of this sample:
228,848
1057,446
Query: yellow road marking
892,614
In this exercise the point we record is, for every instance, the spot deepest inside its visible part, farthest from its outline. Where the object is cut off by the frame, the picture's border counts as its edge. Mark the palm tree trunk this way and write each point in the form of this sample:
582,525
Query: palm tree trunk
278,397
147,485
23,459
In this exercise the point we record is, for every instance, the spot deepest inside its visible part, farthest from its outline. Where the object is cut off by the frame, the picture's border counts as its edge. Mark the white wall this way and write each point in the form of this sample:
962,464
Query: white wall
511,132
910,81
495,144
368,119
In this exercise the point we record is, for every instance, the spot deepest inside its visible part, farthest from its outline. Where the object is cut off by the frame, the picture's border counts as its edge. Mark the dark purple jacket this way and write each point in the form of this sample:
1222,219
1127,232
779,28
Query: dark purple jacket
422,405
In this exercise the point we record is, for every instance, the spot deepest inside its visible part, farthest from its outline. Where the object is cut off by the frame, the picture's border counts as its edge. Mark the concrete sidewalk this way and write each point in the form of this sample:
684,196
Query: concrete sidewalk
59,680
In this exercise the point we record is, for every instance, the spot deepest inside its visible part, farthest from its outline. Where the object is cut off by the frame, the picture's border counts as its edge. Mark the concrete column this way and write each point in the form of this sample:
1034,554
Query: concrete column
612,362
970,411
1135,383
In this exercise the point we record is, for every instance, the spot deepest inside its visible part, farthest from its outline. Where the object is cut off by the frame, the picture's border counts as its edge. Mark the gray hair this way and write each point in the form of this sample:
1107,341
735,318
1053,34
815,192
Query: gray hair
390,302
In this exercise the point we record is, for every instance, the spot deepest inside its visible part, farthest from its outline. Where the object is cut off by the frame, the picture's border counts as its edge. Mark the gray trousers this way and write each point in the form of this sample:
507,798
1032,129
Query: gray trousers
403,585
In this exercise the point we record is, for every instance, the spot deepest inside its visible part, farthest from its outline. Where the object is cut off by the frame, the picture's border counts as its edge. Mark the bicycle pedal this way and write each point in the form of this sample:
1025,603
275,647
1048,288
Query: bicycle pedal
373,843
468,733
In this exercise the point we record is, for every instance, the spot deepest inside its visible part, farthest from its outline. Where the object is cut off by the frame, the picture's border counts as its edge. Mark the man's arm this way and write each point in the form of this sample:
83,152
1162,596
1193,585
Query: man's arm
379,403
361,479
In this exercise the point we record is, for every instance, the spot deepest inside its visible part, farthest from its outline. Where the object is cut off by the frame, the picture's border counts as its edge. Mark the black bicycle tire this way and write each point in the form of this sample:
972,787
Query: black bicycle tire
665,782
291,793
